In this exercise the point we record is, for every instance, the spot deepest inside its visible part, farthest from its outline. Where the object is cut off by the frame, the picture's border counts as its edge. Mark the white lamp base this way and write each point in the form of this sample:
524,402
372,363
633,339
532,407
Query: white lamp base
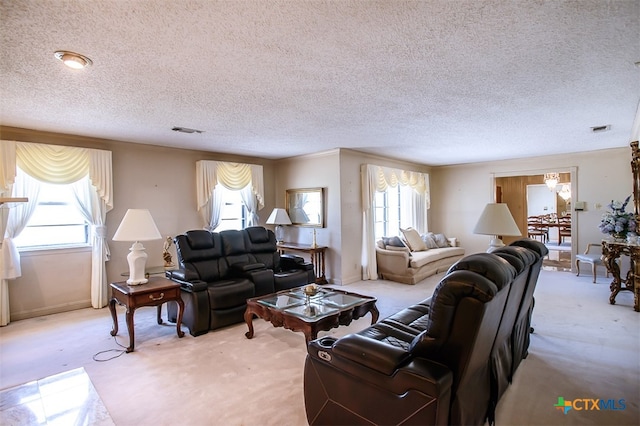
137,259
495,243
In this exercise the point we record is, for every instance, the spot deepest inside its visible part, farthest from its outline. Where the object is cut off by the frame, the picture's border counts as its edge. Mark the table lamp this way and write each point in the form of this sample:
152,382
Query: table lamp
137,225
496,220
279,217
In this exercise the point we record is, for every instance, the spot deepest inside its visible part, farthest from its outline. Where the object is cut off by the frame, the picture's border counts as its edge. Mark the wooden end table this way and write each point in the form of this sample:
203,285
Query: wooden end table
155,292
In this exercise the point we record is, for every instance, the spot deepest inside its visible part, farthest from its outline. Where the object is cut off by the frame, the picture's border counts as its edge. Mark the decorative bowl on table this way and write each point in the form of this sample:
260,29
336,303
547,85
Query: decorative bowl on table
311,290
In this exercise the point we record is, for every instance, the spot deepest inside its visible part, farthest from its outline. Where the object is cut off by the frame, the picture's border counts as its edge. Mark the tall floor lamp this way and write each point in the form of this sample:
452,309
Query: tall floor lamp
496,220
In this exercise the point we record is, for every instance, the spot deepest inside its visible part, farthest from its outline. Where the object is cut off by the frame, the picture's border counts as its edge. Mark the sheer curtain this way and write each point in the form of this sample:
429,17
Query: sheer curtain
61,165
94,210
251,202
17,218
377,178
24,186
7,178
246,178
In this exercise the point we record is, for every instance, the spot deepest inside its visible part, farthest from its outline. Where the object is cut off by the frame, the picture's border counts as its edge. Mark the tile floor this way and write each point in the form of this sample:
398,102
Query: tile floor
67,398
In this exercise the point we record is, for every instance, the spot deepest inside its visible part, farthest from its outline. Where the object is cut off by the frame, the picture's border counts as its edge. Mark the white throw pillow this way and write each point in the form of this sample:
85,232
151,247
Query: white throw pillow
412,237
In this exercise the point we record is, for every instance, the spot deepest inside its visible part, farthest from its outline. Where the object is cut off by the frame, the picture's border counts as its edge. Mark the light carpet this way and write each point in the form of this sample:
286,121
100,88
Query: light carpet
582,347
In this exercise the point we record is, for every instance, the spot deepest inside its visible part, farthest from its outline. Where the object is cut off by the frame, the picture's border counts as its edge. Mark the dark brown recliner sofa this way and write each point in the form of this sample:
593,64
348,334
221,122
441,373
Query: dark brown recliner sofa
439,361
218,272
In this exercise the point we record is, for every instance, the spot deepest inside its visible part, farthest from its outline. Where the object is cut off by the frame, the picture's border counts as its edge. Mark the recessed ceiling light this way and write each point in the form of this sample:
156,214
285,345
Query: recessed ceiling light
72,59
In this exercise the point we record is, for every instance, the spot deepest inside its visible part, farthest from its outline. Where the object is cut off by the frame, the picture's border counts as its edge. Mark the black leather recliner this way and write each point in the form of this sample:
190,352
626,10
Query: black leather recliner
218,272
289,271
522,328
436,362
501,361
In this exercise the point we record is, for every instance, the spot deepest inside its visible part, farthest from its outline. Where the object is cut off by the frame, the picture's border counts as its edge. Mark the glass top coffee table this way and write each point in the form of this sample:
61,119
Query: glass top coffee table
295,310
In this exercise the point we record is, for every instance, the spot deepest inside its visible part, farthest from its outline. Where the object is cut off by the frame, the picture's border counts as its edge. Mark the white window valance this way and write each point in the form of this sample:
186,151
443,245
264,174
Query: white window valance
380,178
53,163
60,165
233,176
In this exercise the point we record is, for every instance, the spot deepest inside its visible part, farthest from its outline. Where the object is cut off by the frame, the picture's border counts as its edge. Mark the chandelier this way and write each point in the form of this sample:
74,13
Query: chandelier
565,192
551,180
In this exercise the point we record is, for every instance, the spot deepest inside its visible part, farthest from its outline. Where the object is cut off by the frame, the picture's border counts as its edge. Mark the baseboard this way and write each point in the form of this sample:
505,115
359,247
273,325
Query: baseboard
33,313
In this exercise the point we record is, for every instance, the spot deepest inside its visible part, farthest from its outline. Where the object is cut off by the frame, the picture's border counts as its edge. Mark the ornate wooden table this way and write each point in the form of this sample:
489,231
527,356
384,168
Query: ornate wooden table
153,293
292,310
611,251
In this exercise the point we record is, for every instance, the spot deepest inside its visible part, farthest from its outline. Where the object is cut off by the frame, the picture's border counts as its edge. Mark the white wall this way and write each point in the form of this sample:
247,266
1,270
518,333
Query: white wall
460,192
540,200
52,281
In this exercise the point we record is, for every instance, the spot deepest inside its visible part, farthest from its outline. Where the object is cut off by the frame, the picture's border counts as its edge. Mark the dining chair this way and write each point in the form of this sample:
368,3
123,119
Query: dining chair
594,257
536,228
564,229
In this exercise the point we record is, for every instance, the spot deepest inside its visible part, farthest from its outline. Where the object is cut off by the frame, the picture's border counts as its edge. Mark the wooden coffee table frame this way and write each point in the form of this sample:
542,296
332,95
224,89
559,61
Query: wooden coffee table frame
310,328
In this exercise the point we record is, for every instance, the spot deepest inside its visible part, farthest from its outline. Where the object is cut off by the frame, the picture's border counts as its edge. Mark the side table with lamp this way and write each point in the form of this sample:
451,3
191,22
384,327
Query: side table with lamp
138,225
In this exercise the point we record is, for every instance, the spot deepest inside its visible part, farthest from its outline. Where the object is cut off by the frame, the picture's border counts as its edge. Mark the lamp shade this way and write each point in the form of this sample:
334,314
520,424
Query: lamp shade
137,225
496,219
279,217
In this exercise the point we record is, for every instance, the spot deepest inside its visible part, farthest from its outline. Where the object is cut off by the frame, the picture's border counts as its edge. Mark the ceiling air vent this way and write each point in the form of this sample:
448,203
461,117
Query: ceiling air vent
186,130
598,129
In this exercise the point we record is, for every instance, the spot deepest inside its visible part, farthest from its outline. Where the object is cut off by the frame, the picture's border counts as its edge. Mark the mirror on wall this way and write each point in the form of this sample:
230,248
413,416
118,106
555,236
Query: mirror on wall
542,201
305,207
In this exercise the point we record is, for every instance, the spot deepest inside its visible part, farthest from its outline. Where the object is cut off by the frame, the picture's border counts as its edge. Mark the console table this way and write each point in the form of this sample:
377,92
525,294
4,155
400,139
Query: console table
611,251
317,257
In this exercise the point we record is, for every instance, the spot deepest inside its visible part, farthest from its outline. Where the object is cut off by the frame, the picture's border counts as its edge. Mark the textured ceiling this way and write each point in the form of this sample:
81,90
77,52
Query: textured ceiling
434,82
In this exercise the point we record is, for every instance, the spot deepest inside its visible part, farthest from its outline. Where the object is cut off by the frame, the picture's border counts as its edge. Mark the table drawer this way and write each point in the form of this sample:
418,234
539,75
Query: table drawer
155,297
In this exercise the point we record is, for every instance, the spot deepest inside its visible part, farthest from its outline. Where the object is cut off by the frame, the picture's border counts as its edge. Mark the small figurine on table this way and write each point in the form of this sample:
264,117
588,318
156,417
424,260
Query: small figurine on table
168,261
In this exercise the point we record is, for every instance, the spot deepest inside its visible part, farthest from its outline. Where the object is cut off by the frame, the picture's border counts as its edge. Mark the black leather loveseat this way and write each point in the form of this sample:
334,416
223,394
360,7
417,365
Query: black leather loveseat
445,360
218,272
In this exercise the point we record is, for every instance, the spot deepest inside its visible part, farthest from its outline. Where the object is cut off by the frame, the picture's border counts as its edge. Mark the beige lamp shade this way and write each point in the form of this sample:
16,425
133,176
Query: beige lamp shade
496,220
137,225
279,217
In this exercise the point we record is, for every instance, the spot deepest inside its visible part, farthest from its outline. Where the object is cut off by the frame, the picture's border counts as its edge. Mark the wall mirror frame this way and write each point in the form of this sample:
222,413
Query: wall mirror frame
305,207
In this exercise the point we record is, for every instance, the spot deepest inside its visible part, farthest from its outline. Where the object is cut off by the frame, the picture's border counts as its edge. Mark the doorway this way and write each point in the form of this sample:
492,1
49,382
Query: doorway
527,195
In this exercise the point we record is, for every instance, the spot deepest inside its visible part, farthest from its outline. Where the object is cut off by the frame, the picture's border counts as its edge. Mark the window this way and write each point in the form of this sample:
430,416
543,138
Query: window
56,221
233,214
392,211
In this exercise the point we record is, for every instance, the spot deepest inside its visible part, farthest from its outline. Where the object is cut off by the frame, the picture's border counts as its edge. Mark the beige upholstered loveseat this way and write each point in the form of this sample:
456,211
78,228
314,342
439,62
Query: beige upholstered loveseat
406,261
